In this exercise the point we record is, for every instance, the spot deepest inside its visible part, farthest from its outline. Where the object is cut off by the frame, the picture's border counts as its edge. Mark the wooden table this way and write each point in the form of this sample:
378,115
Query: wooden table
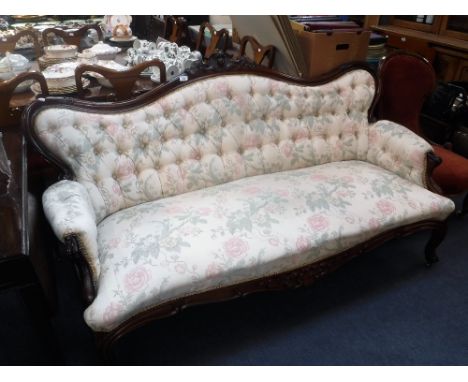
24,265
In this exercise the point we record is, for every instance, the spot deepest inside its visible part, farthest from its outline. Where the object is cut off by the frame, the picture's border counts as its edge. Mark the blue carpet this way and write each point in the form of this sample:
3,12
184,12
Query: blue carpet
384,308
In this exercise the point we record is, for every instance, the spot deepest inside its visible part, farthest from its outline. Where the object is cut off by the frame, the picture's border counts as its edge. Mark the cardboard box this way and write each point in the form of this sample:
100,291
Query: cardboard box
328,49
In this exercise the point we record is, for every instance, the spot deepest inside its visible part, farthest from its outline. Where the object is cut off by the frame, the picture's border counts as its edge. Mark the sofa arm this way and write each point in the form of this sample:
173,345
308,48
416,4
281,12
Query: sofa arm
69,211
398,149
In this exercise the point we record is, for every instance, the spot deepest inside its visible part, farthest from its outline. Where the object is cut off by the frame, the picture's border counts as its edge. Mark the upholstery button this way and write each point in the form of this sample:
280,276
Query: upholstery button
75,126
299,116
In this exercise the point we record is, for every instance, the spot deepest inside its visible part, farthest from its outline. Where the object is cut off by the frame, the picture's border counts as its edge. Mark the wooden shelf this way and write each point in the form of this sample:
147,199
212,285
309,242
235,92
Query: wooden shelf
434,39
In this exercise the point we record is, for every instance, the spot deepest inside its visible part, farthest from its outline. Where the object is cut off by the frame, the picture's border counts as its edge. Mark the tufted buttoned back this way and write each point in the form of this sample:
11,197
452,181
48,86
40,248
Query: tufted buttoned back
209,132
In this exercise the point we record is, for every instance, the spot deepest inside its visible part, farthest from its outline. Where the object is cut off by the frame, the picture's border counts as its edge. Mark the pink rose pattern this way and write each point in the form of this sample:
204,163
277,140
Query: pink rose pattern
318,222
213,270
386,207
111,312
235,247
136,279
302,244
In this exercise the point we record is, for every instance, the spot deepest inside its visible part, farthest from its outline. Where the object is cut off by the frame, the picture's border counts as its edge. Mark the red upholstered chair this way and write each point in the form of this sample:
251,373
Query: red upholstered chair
407,80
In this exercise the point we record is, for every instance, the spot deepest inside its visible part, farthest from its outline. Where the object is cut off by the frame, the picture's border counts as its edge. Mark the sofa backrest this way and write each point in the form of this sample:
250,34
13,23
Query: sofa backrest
210,131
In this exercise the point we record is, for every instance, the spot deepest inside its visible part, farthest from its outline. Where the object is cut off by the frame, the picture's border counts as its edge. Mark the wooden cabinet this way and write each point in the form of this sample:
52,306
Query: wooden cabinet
443,41
414,44
451,65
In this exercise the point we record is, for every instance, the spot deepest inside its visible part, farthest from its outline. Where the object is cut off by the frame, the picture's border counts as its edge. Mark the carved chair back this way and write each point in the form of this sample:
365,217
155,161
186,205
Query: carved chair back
260,52
122,82
407,80
175,29
216,37
10,117
72,37
8,44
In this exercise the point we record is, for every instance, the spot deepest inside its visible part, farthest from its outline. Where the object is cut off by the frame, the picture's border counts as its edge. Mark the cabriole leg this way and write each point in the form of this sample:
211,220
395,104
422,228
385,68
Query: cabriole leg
436,238
464,209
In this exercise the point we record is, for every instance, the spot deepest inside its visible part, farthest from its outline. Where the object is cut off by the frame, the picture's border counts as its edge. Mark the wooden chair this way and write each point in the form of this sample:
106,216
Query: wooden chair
175,29
8,44
407,80
11,116
215,39
260,52
122,82
72,37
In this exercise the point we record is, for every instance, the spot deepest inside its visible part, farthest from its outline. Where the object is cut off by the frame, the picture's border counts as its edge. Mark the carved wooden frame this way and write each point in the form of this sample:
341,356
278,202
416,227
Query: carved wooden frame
9,44
122,81
11,116
72,37
216,36
219,65
260,52
175,29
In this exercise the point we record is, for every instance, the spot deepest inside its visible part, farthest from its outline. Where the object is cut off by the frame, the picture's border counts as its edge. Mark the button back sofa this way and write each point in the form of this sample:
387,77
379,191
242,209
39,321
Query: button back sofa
231,182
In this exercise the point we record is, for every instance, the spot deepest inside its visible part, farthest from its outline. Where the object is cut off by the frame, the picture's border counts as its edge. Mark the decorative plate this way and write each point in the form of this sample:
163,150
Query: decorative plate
114,39
36,88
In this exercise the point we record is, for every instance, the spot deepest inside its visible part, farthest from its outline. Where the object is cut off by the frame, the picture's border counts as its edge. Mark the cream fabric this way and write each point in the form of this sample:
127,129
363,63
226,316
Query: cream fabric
246,229
207,133
226,180
398,149
69,211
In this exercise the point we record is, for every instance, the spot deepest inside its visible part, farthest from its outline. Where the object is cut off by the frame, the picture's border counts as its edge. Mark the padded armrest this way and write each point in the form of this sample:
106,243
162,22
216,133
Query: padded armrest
69,211
398,149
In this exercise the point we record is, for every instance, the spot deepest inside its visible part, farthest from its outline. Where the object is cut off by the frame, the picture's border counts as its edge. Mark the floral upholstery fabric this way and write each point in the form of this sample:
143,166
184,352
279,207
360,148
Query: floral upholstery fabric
226,180
246,229
207,133
69,211
398,149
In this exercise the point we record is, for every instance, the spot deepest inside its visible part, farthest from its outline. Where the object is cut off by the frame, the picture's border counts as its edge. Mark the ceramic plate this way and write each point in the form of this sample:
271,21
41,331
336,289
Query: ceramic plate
36,88
155,78
113,39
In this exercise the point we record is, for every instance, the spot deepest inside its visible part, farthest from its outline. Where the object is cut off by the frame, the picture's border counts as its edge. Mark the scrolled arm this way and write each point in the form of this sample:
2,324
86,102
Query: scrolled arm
398,149
70,213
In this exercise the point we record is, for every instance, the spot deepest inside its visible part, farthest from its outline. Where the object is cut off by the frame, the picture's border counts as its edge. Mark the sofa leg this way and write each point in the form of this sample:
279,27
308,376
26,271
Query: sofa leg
436,238
464,209
104,344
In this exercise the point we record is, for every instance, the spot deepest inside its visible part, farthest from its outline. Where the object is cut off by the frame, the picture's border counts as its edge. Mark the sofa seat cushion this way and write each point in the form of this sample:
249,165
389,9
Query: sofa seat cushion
246,229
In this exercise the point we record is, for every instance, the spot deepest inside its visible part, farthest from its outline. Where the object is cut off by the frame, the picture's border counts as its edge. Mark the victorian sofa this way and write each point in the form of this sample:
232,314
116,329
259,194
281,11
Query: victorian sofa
224,183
